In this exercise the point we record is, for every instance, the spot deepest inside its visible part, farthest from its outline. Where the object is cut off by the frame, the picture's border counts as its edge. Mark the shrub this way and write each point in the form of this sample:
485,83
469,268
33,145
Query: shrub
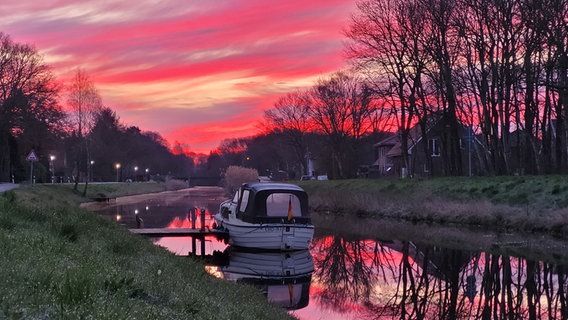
235,176
175,184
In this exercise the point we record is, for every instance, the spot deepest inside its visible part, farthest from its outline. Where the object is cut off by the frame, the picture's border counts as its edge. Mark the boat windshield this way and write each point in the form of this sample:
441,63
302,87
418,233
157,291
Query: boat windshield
244,200
237,196
283,204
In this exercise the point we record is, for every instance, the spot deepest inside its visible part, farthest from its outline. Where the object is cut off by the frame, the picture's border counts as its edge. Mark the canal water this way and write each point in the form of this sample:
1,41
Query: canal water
374,269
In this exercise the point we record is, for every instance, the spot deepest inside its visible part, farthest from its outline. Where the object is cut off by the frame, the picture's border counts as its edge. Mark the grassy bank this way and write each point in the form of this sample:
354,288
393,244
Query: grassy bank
529,204
63,193
63,262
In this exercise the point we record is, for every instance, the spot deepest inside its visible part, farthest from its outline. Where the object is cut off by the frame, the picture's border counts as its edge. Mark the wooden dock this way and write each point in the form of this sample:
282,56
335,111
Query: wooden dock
178,232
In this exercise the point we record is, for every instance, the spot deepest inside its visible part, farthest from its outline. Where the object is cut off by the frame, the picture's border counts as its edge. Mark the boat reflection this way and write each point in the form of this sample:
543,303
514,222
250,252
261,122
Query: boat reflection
283,277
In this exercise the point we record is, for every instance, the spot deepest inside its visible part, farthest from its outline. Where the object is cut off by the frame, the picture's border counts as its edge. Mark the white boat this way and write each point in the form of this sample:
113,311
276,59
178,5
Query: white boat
267,216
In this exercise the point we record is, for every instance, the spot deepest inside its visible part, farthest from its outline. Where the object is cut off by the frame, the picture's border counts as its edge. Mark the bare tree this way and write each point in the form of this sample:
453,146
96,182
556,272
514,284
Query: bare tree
341,110
290,116
556,34
441,43
385,45
28,102
85,102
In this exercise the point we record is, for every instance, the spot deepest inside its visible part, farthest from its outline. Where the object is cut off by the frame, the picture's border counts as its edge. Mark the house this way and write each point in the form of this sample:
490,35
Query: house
425,154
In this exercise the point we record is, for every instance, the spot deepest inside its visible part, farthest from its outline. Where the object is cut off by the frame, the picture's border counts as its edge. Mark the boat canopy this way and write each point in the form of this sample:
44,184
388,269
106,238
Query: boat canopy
272,203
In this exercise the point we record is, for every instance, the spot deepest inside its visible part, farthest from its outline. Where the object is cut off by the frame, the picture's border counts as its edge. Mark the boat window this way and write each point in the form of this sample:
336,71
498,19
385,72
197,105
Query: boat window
244,201
237,196
278,204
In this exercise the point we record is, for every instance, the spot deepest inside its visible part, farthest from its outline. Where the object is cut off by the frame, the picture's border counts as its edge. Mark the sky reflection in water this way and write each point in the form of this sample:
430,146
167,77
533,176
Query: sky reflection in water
360,277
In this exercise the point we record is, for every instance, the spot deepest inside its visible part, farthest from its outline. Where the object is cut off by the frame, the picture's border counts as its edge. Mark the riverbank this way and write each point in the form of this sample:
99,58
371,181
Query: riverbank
61,261
532,204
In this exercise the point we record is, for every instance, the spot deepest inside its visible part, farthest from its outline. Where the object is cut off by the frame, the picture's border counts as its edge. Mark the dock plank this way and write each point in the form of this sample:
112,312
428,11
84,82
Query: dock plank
176,232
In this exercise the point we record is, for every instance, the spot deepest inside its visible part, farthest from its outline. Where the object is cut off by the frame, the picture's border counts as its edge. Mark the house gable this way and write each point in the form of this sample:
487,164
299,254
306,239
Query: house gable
389,151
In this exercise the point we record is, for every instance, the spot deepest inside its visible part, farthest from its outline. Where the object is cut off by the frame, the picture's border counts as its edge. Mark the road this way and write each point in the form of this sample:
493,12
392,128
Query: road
7,186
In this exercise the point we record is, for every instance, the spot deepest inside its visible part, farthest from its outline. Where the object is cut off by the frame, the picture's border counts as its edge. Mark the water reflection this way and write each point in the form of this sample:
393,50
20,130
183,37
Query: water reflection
173,209
372,269
283,277
403,280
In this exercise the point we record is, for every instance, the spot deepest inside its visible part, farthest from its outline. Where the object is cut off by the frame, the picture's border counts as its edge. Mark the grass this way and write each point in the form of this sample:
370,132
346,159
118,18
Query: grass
63,262
56,194
527,203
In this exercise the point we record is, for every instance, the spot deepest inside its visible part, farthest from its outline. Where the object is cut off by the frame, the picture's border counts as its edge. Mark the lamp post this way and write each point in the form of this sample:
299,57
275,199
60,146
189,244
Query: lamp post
51,168
147,177
91,163
117,166
135,173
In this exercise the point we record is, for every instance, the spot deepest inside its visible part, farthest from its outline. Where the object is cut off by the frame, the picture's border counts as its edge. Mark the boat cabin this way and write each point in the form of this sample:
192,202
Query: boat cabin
271,203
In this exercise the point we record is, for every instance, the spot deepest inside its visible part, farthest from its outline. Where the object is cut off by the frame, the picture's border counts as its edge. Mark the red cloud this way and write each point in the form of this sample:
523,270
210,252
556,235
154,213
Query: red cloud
149,56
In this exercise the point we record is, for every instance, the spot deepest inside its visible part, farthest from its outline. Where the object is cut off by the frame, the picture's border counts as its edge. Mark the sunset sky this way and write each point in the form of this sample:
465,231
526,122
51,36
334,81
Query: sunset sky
195,71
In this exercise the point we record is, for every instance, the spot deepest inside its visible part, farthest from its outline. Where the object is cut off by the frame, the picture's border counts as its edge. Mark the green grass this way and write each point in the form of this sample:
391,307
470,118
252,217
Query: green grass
57,194
537,192
540,192
526,203
62,262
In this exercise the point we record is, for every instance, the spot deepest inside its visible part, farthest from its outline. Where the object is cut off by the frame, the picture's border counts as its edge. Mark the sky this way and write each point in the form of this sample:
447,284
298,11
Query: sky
195,71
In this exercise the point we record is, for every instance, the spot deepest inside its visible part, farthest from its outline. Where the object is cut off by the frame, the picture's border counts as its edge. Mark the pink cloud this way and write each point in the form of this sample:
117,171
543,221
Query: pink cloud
183,67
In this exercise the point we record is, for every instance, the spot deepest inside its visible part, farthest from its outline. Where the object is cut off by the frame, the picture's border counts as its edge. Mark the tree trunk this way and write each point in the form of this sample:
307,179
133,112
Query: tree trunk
76,177
5,165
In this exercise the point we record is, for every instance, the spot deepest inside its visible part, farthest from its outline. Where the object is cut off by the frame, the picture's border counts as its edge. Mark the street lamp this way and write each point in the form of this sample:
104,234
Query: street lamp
51,168
147,177
117,166
91,163
135,173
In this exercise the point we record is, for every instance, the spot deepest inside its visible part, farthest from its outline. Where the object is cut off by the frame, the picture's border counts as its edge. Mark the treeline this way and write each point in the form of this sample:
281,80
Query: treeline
84,141
274,155
499,67
141,154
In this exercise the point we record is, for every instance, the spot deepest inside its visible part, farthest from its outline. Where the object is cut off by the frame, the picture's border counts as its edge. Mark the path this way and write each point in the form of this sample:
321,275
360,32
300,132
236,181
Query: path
7,186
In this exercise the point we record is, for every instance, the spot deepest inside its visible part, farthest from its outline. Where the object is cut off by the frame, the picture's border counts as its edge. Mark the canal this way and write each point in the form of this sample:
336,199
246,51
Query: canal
374,269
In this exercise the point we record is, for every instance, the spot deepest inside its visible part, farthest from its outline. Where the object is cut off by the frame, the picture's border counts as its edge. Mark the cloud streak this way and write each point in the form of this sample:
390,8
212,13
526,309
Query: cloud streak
197,72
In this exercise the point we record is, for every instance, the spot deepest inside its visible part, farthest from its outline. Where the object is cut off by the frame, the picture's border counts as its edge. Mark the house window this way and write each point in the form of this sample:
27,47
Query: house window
435,147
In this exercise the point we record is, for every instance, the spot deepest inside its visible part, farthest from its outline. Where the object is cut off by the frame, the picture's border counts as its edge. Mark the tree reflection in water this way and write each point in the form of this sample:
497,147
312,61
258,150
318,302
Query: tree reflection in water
402,280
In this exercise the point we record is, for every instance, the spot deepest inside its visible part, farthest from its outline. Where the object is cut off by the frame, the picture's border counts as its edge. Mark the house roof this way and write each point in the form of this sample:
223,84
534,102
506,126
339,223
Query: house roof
389,141
414,137
394,142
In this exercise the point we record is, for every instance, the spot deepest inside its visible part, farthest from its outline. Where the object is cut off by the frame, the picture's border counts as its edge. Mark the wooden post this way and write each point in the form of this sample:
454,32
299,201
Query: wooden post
202,219
193,217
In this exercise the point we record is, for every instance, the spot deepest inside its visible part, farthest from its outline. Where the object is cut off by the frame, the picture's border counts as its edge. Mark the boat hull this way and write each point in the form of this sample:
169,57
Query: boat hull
272,236
283,277
268,265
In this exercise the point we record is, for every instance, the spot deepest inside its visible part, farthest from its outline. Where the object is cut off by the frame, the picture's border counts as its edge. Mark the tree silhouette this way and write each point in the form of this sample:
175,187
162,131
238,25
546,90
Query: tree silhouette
29,114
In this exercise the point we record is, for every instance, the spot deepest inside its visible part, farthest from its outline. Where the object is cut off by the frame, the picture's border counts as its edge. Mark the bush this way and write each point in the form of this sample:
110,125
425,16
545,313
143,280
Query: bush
235,176
175,184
